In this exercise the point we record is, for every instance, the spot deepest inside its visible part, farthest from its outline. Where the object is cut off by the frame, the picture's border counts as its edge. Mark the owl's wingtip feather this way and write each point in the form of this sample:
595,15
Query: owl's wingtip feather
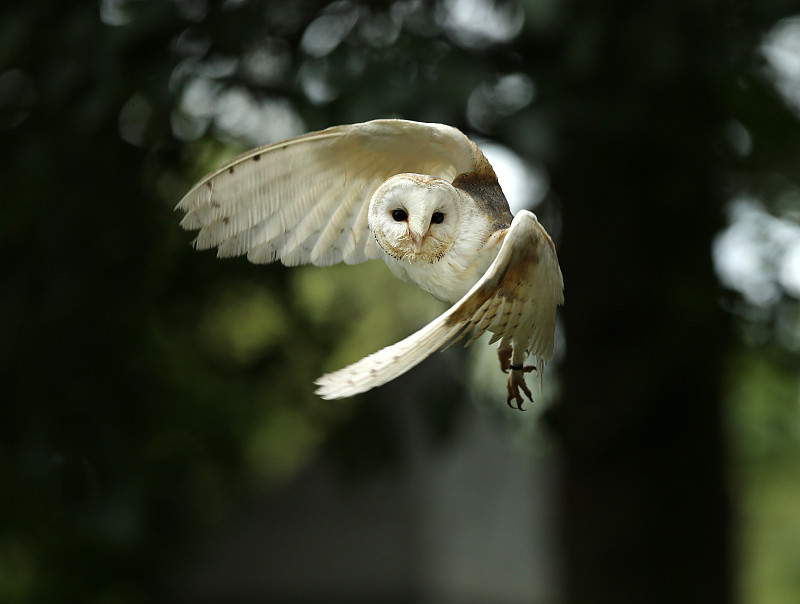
331,387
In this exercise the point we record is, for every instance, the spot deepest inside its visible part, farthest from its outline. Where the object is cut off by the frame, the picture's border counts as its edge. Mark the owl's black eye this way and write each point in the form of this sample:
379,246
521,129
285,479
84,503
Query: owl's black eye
399,215
437,218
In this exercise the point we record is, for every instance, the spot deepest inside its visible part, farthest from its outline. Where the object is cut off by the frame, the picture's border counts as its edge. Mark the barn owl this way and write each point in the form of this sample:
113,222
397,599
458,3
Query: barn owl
421,197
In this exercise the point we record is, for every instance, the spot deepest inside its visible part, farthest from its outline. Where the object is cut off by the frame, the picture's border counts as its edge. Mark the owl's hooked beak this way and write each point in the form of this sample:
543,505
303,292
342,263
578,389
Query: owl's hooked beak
418,231
418,240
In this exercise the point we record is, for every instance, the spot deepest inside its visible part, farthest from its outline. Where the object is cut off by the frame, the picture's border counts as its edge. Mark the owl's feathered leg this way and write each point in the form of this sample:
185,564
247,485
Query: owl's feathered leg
516,379
504,354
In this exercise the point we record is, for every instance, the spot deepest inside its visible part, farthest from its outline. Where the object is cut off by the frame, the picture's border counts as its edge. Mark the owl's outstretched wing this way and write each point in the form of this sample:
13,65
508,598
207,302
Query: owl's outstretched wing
305,200
516,300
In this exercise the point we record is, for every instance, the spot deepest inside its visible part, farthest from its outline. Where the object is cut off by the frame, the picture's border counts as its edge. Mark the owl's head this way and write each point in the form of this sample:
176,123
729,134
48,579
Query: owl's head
415,217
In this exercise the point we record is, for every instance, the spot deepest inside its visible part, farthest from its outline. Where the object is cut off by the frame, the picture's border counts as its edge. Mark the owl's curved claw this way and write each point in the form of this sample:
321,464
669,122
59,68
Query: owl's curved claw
516,380
508,402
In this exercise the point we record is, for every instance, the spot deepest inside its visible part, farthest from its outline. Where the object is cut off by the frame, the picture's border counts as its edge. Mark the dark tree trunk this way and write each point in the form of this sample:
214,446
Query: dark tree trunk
644,498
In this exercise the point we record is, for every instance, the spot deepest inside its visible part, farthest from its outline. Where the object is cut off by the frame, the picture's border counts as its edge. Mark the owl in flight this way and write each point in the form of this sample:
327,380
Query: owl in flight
421,197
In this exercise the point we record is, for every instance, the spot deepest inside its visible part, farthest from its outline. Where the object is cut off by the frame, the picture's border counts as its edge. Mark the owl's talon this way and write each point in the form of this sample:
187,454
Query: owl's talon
508,402
516,381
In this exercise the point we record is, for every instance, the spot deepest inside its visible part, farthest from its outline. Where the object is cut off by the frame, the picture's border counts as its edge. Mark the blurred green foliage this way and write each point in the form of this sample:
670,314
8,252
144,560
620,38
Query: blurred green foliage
148,390
764,427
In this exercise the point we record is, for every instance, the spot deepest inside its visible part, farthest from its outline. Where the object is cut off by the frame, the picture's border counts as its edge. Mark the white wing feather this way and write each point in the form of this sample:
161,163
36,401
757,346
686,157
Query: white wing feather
516,300
305,200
